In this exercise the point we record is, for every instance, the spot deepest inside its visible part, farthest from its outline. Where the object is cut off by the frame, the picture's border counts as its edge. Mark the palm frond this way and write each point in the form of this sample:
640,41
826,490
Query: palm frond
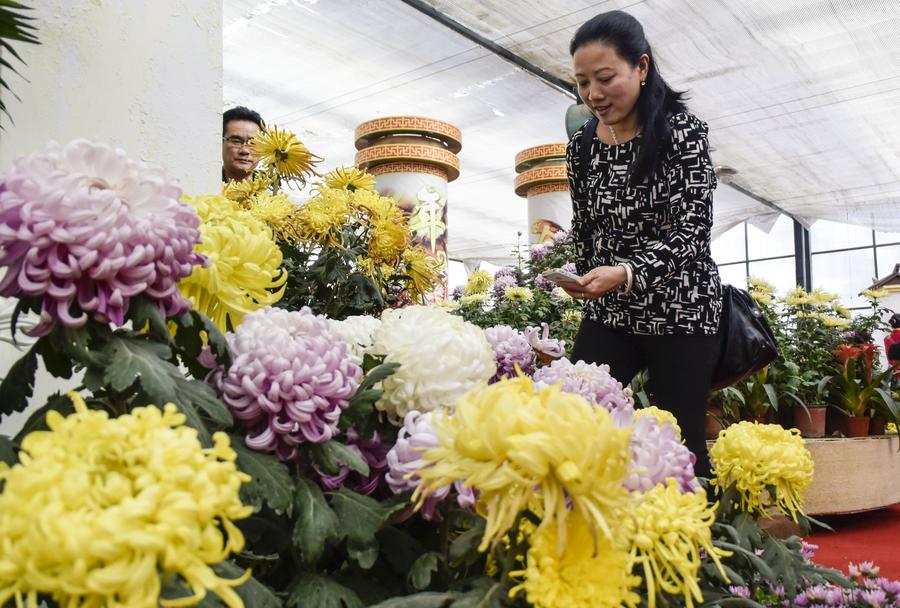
15,26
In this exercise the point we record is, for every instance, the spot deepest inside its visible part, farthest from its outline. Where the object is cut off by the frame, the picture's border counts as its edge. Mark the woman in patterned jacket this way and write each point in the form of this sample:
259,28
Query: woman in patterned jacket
642,182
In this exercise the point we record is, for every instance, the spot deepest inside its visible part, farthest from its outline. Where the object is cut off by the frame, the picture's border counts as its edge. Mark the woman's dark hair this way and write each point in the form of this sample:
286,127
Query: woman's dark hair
241,113
657,99
894,321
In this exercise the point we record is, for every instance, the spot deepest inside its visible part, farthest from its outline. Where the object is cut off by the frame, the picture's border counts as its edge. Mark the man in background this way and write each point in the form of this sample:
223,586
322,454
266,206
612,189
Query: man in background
239,126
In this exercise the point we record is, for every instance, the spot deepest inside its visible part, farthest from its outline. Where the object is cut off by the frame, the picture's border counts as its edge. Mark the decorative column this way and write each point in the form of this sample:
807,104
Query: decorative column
413,159
542,180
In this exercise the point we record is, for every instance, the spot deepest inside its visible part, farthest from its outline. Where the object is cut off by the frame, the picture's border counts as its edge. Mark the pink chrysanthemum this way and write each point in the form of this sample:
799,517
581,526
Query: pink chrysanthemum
84,229
511,348
657,454
405,459
592,382
288,381
373,452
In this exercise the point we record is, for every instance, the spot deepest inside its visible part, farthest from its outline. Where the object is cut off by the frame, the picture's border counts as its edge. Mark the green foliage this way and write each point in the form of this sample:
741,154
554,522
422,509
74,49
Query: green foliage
270,482
14,27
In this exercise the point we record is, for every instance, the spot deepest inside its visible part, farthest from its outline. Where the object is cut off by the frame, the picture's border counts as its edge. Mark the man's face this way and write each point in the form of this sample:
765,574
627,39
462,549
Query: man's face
237,156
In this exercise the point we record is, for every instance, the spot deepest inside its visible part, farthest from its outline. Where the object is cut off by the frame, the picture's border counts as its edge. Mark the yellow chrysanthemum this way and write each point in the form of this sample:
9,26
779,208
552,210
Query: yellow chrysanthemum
422,270
662,416
572,316
350,178
518,294
281,151
760,285
828,321
667,530
278,212
562,295
242,191
380,273
387,240
755,456
475,300
376,207
446,304
479,282
821,297
244,271
320,220
797,297
840,310
890,428
503,440
587,574
762,298
101,510
874,294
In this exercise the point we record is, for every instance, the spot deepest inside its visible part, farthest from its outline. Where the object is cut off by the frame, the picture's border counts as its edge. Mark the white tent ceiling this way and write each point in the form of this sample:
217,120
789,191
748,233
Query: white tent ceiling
801,96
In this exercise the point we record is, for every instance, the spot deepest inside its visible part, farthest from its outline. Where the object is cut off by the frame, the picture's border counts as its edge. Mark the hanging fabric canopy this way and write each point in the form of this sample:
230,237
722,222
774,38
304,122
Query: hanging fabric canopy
801,96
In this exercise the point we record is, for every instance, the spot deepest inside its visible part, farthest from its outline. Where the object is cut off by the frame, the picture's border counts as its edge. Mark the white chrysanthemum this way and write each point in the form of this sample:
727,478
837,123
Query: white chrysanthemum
441,357
357,333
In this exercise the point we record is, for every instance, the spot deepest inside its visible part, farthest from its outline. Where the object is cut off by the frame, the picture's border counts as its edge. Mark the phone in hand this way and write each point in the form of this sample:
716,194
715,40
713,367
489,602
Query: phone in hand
558,275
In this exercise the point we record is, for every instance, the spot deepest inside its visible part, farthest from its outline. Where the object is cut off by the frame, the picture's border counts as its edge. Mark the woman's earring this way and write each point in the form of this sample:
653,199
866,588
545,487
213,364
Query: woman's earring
643,83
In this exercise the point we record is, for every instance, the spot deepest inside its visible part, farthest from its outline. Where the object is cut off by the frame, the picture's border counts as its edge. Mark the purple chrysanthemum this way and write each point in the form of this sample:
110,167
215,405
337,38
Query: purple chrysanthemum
592,382
657,454
511,349
405,460
808,550
506,271
570,267
458,292
502,282
288,381
739,591
538,252
85,229
373,451
541,283
560,236
540,340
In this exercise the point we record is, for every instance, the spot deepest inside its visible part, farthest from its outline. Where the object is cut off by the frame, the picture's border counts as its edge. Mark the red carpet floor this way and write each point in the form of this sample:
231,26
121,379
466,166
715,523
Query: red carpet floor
872,536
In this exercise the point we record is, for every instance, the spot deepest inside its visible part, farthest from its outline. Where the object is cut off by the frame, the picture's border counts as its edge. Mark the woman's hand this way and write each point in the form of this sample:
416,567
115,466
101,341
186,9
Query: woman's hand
598,282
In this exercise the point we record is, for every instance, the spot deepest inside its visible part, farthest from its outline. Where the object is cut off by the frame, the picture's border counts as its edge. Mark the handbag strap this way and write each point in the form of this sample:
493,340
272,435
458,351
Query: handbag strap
587,138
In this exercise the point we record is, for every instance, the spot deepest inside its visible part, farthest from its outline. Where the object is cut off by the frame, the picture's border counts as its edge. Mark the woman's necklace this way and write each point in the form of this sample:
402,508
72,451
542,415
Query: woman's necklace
613,133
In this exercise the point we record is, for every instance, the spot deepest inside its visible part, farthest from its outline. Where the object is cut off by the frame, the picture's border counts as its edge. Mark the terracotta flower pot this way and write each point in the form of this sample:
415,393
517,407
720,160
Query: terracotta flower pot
812,423
876,427
713,426
858,426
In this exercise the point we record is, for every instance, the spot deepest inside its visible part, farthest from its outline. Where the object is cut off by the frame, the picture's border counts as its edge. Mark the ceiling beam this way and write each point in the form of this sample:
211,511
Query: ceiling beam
764,201
426,9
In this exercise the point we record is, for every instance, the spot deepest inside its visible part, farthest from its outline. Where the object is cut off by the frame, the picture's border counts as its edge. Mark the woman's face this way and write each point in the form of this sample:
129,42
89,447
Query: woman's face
608,85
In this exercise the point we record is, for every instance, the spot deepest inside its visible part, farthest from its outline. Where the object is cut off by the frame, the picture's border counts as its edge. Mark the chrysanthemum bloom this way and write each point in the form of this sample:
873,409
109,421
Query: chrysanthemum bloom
540,340
405,459
668,529
244,271
658,455
446,304
834,321
511,350
570,267
760,285
350,178
874,294
441,357
538,252
242,191
276,211
763,299
572,316
754,457
502,282
518,294
662,417
592,382
558,294
422,270
84,229
476,300
373,452
479,281
100,510
505,271
279,150
357,333
796,297
840,310
288,381
560,237
587,573
821,297
458,292
320,220
510,442
544,284
387,240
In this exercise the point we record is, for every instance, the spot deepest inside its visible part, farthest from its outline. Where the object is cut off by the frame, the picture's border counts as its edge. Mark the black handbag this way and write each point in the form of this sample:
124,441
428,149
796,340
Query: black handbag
747,342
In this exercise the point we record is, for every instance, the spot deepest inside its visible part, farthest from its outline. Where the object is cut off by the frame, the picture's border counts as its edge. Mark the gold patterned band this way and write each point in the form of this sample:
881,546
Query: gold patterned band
548,187
371,157
404,167
368,132
529,157
539,176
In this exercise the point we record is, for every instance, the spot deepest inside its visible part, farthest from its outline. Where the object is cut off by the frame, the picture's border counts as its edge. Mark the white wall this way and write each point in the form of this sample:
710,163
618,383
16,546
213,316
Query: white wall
144,76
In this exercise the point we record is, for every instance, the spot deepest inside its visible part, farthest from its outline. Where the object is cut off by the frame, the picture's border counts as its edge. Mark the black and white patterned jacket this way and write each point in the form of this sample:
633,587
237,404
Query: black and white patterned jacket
661,227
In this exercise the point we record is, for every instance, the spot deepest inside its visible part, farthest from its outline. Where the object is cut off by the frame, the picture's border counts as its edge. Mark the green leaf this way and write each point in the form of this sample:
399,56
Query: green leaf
314,591
271,481
422,569
464,547
362,517
754,559
329,457
144,312
8,453
421,600
18,385
193,323
316,525
37,420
